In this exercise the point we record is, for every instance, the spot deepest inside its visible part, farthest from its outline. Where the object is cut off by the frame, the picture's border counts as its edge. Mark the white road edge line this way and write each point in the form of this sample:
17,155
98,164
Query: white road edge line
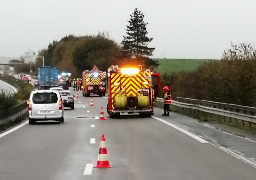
88,169
92,141
15,90
13,129
92,125
181,130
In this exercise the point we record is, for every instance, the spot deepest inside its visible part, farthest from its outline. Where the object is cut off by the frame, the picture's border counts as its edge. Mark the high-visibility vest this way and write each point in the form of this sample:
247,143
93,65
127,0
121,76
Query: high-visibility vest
167,98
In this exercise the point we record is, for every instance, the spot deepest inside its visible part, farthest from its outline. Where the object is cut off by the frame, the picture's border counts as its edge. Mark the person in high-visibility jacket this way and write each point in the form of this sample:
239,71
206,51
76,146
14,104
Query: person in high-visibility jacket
167,100
77,84
74,83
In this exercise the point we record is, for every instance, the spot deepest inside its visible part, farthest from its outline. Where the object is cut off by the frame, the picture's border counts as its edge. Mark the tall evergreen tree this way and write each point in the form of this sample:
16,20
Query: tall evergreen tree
135,43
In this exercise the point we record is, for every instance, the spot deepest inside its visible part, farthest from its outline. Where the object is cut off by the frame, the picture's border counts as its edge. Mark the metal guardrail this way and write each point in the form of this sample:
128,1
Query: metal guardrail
15,110
229,110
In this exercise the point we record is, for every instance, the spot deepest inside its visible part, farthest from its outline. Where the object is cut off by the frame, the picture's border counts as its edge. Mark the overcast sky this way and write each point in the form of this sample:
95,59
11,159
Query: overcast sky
180,28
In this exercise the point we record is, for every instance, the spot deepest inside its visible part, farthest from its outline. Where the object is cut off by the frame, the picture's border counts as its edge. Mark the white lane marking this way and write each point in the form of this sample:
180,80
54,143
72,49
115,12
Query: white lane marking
13,129
88,111
88,169
79,102
181,130
92,125
92,141
14,89
83,106
237,156
106,97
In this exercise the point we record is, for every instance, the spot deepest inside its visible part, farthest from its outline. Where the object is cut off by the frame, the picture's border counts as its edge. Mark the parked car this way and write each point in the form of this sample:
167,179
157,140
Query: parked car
68,99
45,105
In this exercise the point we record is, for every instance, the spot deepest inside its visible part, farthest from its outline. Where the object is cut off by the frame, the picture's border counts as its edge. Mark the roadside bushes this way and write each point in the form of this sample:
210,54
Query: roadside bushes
231,79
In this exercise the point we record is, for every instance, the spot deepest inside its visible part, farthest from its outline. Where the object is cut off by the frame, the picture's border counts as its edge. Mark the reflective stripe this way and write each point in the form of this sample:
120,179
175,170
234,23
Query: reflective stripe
102,157
102,144
167,101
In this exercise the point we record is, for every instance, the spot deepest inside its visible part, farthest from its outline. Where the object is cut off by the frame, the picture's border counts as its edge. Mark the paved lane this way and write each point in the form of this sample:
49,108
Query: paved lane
138,148
7,87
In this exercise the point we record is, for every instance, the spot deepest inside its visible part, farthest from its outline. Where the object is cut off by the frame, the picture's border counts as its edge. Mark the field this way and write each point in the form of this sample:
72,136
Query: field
175,65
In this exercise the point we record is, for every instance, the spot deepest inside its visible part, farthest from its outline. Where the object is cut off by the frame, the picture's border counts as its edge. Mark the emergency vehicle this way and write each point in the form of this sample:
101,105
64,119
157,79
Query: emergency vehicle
130,90
94,82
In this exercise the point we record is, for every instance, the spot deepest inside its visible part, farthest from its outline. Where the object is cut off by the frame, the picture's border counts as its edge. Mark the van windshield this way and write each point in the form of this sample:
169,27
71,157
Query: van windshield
45,98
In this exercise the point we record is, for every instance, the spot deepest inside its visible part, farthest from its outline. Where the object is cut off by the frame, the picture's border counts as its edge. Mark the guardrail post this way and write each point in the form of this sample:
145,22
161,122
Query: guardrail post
250,125
230,120
243,122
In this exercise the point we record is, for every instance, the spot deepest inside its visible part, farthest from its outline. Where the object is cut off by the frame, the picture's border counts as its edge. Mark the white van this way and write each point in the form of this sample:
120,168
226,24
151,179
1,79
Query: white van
45,105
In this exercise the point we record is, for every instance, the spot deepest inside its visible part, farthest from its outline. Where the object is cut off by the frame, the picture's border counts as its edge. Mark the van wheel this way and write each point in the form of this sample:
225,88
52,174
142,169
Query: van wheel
30,121
61,121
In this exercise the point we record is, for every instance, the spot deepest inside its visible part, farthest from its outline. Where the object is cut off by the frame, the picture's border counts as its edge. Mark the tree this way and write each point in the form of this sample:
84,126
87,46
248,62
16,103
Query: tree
97,50
135,43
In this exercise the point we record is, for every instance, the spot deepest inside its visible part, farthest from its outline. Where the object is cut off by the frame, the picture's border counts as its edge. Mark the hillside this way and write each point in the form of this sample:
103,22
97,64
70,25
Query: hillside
174,65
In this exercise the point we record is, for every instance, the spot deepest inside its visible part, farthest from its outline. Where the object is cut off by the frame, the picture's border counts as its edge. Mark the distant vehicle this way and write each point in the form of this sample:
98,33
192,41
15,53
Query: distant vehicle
7,69
68,99
35,84
64,84
26,78
47,77
45,105
94,82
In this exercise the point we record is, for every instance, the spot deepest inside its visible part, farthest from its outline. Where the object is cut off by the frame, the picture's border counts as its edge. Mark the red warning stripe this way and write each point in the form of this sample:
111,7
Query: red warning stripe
103,151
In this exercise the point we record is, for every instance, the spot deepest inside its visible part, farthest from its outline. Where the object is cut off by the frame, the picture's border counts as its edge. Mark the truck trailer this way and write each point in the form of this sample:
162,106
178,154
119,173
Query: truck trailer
47,77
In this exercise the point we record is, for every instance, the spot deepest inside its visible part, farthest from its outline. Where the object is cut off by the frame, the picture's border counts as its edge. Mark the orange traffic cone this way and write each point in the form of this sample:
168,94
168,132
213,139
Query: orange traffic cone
91,104
102,114
102,161
76,95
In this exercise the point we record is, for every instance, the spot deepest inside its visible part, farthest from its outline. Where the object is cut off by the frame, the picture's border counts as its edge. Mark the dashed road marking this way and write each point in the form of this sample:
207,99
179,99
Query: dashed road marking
88,169
79,101
92,125
201,140
83,106
92,141
88,111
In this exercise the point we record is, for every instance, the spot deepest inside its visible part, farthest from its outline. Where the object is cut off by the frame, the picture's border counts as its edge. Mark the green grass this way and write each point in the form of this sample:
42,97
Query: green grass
175,65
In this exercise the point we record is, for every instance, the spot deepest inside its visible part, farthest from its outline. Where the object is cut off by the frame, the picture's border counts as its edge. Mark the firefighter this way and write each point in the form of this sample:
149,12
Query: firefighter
167,100
77,84
81,84
67,82
74,83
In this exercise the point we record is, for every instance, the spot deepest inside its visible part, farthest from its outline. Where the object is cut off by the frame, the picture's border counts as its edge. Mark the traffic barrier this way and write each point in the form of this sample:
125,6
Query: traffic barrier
102,114
91,103
102,161
76,95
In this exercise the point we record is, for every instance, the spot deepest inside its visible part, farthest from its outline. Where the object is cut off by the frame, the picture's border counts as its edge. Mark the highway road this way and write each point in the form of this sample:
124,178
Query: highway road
7,87
174,147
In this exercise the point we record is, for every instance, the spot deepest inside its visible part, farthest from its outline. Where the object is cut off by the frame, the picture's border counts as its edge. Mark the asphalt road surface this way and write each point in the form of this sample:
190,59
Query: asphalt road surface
138,149
7,87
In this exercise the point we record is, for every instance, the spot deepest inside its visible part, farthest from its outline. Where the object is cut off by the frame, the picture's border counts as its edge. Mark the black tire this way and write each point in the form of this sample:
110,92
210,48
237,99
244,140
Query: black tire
61,121
72,107
83,94
100,95
30,121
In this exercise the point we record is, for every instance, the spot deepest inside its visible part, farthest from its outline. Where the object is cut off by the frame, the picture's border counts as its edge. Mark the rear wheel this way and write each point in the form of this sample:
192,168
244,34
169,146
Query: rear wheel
61,121
72,107
31,121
